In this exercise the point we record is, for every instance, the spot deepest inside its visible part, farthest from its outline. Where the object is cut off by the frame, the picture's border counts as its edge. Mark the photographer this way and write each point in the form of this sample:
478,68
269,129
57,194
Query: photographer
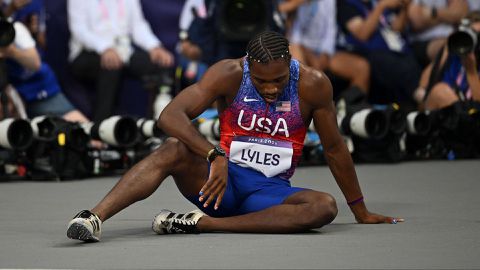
454,75
34,79
431,22
33,15
376,31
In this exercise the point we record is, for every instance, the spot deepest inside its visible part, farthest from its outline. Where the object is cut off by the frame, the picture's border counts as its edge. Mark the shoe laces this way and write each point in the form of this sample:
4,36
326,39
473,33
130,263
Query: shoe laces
188,222
180,224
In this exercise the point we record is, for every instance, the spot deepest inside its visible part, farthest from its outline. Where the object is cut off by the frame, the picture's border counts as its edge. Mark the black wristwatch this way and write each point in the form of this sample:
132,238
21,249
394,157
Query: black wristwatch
214,153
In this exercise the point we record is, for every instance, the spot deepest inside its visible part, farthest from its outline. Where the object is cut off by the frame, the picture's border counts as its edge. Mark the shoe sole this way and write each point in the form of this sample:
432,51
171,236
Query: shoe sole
80,232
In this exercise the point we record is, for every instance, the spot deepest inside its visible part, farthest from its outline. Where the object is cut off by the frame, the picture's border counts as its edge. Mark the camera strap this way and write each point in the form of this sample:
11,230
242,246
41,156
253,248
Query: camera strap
436,72
458,82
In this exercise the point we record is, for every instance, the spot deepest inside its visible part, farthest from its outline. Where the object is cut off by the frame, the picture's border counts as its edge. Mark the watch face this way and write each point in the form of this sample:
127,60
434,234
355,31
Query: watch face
220,150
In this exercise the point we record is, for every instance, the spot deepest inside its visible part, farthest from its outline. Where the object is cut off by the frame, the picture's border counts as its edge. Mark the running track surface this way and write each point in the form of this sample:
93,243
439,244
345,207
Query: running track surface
439,199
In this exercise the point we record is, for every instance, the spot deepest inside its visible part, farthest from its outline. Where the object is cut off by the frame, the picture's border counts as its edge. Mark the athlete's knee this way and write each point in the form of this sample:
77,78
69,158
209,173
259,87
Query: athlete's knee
323,211
172,151
330,208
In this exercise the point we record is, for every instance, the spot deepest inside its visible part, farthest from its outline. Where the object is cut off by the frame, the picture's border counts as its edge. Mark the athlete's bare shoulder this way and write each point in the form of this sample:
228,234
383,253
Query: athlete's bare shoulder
224,76
229,66
314,87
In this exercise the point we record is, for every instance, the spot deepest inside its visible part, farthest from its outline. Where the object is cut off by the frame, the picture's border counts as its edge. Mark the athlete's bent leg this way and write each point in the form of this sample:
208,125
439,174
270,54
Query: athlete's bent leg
301,211
139,183
172,158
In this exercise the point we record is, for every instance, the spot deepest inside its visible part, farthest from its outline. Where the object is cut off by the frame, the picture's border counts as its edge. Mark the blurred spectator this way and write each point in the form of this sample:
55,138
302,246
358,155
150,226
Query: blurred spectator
190,54
190,10
9,7
230,24
375,30
313,39
32,14
103,38
313,33
455,77
473,5
431,22
34,79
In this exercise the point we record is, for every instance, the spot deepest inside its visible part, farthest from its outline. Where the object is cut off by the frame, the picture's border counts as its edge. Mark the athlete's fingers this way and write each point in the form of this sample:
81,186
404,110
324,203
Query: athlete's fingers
209,186
205,189
209,199
212,192
219,199
393,220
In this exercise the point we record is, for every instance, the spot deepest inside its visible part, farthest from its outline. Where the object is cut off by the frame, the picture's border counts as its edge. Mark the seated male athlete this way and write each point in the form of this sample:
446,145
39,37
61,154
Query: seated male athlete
266,101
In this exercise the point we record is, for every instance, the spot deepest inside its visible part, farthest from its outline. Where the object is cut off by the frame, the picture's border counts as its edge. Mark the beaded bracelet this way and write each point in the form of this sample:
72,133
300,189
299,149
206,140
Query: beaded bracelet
352,203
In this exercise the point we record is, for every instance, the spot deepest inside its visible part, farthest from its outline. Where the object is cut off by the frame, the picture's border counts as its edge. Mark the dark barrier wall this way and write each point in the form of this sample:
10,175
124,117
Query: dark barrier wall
163,16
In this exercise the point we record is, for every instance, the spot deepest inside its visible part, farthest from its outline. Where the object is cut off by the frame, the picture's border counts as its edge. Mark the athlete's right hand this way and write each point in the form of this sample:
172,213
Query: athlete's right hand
216,184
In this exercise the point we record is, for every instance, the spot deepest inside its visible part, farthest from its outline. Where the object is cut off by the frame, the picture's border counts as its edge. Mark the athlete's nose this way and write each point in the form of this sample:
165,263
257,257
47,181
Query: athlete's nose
271,90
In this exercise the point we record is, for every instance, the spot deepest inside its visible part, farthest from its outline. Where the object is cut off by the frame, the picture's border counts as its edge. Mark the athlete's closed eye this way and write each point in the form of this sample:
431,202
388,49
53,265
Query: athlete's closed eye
280,79
276,80
260,81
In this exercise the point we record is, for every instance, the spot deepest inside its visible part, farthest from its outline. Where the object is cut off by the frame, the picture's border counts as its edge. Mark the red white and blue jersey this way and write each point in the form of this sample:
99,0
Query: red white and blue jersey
265,137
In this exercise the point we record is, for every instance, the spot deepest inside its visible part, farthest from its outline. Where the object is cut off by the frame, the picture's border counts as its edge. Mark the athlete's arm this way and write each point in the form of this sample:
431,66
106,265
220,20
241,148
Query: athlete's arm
220,81
175,119
316,93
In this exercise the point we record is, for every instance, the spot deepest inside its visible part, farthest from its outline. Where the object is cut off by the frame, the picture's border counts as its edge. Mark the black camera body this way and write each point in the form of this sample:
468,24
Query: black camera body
454,133
7,32
7,36
240,20
464,40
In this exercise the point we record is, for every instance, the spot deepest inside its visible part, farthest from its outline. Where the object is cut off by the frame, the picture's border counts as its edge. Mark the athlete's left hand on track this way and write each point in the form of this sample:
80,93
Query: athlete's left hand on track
216,184
372,218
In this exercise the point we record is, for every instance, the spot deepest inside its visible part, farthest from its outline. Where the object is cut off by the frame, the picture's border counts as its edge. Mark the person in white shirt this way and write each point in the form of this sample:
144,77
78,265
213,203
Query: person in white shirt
103,35
34,79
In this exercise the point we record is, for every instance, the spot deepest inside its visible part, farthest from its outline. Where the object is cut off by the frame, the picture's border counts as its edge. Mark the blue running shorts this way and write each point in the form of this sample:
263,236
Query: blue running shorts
248,191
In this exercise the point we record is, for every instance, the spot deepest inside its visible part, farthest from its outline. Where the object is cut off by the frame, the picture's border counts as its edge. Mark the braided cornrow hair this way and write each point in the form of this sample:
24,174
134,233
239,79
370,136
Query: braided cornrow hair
268,46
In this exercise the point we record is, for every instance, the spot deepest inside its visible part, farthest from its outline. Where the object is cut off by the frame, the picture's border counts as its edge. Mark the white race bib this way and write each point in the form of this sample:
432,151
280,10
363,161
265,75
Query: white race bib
270,157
